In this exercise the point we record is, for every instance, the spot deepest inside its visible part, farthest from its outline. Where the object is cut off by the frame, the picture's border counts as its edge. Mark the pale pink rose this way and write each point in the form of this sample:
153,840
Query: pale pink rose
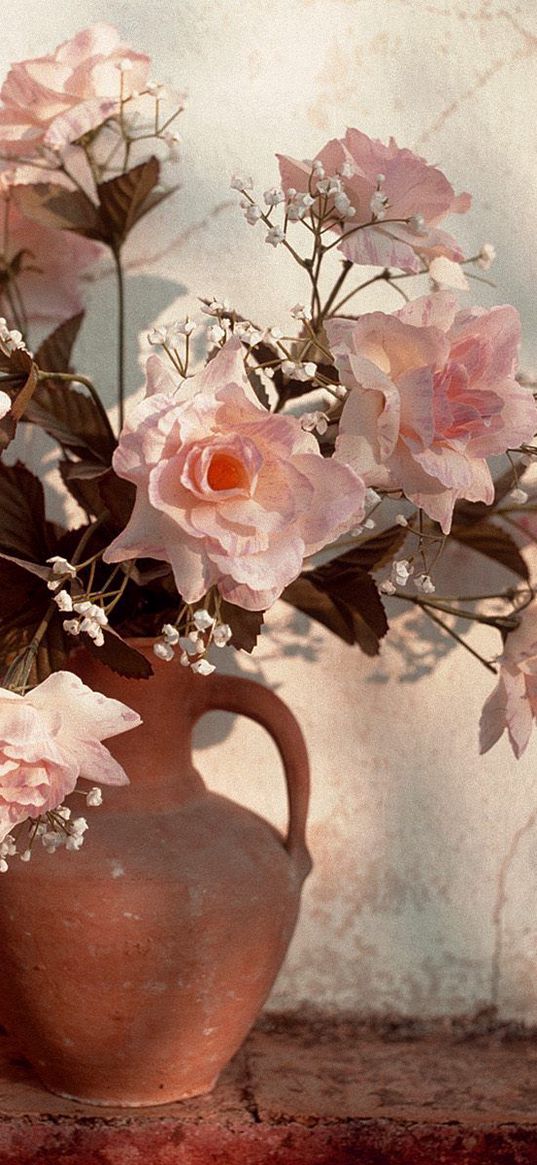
5,404
53,99
227,493
411,186
49,738
433,394
513,703
51,268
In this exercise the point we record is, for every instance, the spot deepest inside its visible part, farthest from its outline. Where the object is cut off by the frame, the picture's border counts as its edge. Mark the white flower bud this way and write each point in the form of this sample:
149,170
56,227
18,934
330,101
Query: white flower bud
94,797
202,620
163,651
202,667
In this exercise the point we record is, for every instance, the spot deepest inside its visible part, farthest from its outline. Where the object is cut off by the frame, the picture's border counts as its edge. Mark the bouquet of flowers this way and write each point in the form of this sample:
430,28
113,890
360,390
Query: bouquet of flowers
325,464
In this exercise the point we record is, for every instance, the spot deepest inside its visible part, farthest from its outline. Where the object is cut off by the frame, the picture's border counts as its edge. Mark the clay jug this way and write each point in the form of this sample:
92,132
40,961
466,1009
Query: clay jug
133,969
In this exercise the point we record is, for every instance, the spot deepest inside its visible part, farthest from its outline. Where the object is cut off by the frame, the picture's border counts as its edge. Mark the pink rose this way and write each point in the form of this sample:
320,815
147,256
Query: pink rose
432,396
80,81
49,738
410,189
52,265
513,703
227,493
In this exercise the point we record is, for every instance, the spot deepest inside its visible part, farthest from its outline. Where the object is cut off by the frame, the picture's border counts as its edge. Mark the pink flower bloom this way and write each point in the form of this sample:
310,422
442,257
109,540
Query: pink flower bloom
5,404
49,738
410,188
52,99
513,703
227,493
432,396
52,265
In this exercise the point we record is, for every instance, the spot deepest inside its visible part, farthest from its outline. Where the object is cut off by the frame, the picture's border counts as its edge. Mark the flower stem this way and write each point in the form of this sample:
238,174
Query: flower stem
120,336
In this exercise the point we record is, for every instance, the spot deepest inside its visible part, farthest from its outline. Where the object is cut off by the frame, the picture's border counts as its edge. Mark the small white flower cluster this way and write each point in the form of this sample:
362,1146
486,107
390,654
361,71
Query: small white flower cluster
216,307
195,643
401,572
60,829
315,422
91,618
379,202
60,570
170,335
10,338
71,835
296,370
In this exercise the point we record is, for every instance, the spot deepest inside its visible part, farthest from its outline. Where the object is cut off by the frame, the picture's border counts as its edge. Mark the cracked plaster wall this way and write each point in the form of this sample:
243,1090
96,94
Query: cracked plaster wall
424,889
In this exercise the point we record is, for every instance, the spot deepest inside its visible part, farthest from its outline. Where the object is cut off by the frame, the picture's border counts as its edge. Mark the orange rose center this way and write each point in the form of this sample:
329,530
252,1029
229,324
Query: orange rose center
226,472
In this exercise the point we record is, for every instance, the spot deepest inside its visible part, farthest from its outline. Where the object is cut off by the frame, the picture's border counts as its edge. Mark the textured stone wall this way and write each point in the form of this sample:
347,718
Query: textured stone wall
423,894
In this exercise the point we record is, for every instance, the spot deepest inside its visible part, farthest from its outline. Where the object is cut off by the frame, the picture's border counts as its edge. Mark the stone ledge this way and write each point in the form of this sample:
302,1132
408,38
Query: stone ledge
306,1091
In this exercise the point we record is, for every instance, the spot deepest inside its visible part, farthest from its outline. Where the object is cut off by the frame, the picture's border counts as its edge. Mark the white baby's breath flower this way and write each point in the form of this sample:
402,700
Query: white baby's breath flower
252,214
202,619
216,333
222,634
274,236
387,587
401,572
486,256
170,634
164,651
301,312
63,601
241,182
401,520
71,626
94,797
425,584
202,667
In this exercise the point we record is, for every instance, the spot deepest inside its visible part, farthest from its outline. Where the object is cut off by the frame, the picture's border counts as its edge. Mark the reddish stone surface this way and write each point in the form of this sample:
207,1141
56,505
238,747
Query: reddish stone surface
306,1092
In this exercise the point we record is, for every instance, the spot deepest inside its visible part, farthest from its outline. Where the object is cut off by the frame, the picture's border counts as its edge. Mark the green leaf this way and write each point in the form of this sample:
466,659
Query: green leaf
494,542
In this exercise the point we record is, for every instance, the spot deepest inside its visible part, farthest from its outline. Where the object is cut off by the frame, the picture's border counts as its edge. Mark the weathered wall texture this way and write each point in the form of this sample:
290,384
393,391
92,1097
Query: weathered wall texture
423,895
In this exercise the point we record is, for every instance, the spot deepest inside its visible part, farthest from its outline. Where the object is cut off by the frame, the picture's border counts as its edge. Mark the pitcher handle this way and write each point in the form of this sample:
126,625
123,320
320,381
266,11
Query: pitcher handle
247,698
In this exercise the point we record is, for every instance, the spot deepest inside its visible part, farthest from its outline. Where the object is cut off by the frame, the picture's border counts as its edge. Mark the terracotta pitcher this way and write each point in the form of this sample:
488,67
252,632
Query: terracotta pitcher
133,969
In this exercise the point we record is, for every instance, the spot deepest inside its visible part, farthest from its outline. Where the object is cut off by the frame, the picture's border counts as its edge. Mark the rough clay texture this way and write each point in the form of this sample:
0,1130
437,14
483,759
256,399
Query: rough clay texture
308,1091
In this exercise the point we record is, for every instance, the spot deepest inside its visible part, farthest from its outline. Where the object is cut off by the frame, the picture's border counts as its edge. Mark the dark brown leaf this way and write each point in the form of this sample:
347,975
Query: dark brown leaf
118,497
125,199
68,414
52,205
42,572
245,625
120,656
51,655
25,394
495,543
373,553
347,602
22,513
54,354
